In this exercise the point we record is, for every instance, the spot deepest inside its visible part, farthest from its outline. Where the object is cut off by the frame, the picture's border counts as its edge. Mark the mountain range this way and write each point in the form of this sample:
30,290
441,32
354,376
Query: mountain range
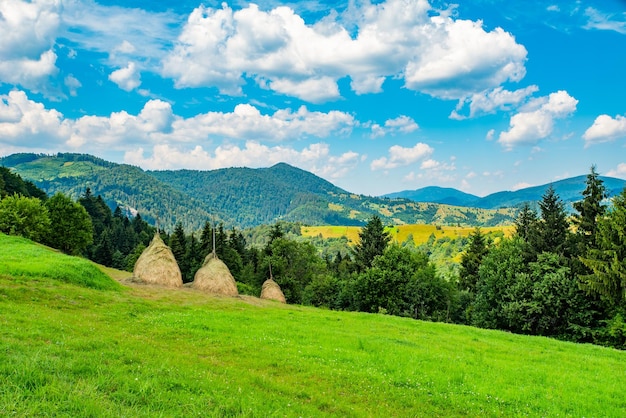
246,197
569,190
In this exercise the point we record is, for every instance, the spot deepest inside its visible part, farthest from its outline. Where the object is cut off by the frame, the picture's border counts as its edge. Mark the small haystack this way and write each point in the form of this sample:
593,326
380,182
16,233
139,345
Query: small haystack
214,277
157,265
271,290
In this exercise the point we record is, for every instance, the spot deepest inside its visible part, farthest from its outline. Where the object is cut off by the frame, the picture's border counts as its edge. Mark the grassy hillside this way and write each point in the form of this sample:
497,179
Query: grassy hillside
68,350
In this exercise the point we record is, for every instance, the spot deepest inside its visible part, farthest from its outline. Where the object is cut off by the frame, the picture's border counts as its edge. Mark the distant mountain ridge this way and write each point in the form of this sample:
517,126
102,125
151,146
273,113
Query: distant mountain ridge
241,197
569,190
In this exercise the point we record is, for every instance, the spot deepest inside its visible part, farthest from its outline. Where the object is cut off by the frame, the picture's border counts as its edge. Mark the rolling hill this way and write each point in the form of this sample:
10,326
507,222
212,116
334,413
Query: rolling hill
569,190
241,197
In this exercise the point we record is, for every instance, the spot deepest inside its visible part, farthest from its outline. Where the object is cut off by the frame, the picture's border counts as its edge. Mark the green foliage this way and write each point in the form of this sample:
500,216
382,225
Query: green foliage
608,260
294,265
590,209
402,282
553,226
373,239
471,260
71,229
24,216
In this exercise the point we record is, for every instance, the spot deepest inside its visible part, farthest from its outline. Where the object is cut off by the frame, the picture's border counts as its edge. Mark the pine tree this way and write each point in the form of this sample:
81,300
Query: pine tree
373,239
526,223
471,260
553,225
608,260
178,245
590,209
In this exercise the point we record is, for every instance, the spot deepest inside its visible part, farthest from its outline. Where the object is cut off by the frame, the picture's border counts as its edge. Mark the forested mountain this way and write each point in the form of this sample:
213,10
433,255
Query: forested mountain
436,194
568,189
241,197
118,184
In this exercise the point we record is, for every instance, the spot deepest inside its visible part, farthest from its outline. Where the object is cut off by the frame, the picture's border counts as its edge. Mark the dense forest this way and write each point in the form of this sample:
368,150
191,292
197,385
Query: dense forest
559,275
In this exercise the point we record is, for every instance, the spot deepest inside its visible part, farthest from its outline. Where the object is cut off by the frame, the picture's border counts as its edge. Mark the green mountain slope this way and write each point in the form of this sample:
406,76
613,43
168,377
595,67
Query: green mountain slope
119,184
71,350
241,197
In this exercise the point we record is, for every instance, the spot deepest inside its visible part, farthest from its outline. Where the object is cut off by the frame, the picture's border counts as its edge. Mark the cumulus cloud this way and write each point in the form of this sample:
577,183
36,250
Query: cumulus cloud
400,156
28,121
537,120
605,129
127,78
28,31
402,124
433,52
490,101
24,121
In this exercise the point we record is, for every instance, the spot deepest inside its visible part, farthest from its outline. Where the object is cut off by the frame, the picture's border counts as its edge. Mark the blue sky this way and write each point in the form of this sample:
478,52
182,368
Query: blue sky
375,97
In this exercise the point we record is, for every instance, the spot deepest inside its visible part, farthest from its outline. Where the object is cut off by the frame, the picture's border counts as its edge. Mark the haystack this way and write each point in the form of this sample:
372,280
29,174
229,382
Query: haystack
157,265
271,290
214,277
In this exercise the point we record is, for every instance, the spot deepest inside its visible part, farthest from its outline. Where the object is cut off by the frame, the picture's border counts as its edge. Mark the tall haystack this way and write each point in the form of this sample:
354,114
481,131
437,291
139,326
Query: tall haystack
271,290
215,277
157,265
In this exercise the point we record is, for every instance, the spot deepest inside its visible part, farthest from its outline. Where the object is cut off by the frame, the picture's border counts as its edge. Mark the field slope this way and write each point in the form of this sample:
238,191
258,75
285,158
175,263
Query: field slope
67,349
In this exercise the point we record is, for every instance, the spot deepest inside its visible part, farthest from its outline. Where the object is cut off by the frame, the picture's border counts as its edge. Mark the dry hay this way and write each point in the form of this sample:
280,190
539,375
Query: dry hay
157,265
215,277
271,290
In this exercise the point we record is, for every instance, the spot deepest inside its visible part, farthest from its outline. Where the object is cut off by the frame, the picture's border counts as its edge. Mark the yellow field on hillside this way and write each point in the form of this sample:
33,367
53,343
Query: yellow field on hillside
399,233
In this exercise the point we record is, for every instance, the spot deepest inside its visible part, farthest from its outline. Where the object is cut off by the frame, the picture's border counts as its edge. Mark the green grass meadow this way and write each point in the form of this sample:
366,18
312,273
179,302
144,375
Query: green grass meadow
73,342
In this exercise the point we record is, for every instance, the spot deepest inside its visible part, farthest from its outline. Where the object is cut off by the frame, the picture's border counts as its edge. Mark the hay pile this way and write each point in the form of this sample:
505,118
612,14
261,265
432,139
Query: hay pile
271,290
214,277
157,265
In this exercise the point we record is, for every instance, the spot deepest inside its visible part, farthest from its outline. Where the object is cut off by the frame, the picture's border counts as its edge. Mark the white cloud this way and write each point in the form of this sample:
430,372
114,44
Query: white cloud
127,78
605,129
619,171
537,121
402,124
433,53
315,90
156,123
23,121
72,83
401,156
490,101
605,21
28,31
119,31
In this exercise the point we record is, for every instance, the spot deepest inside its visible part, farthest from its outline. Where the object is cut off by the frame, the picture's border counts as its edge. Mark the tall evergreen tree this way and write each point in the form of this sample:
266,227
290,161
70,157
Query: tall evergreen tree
471,260
373,239
553,225
178,245
526,223
608,260
590,209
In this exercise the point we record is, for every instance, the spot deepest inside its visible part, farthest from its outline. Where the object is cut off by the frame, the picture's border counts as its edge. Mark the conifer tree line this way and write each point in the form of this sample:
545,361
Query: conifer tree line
559,275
